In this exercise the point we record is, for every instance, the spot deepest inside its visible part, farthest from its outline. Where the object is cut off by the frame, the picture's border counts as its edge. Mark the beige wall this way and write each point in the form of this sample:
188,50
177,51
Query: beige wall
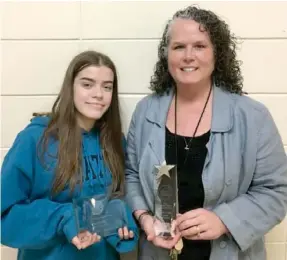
39,39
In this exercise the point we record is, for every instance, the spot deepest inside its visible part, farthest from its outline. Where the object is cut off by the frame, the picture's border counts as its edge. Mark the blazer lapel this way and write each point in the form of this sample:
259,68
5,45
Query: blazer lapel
157,114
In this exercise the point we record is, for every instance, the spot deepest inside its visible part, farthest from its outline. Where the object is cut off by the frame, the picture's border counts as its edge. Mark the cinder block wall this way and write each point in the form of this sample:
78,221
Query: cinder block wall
38,39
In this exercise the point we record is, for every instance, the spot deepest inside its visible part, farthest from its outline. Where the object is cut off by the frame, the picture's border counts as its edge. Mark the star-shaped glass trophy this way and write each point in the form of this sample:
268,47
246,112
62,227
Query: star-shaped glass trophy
166,199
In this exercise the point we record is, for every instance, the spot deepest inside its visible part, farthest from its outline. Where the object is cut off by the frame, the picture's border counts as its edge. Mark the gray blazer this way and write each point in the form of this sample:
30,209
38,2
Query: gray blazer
244,176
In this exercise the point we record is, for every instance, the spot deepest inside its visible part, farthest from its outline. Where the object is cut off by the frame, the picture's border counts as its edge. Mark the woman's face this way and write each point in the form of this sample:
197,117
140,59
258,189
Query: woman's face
190,53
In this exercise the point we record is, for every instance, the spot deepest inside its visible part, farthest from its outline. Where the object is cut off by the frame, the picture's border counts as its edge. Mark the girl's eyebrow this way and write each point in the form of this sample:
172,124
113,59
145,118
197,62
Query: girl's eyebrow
93,81
86,78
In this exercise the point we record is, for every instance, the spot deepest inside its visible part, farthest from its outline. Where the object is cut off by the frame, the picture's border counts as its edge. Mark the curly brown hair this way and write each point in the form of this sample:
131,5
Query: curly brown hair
227,72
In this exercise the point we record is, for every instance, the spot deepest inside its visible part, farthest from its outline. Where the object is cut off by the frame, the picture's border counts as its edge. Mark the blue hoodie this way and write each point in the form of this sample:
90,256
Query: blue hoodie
40,227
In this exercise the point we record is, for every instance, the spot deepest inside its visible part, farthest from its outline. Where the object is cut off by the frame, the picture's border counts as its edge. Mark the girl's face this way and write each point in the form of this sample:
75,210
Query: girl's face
93,90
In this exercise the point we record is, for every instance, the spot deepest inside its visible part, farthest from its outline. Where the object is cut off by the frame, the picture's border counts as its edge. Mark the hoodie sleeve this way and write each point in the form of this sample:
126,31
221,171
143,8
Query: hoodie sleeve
122,245
26,223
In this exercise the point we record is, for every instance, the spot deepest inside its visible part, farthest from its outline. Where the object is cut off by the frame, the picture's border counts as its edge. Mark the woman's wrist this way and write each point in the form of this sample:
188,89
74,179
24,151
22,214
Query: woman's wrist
137,213
141,214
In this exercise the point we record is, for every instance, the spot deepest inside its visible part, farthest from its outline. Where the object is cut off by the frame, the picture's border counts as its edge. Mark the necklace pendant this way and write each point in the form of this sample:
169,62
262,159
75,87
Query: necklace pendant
186,148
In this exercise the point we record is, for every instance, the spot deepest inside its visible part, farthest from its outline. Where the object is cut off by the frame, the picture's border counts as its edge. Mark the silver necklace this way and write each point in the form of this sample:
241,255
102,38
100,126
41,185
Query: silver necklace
187,145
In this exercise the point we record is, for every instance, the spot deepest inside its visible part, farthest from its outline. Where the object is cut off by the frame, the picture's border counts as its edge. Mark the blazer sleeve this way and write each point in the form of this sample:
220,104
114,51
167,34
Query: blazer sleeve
251,215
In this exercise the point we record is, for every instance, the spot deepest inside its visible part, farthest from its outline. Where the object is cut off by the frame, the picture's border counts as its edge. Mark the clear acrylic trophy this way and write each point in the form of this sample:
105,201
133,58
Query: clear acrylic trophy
100,214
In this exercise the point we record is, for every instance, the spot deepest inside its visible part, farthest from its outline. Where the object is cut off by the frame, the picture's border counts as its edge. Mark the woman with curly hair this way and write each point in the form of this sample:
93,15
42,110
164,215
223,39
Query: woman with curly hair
231,164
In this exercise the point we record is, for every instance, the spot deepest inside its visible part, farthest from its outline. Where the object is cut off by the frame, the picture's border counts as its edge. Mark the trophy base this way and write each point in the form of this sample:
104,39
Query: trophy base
165,235
163,229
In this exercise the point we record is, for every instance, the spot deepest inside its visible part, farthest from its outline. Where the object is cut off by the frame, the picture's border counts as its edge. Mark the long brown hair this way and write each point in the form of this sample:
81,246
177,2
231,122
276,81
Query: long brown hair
64,128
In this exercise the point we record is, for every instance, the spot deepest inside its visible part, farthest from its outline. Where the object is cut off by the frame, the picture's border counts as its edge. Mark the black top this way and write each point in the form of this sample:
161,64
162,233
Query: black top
190,187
